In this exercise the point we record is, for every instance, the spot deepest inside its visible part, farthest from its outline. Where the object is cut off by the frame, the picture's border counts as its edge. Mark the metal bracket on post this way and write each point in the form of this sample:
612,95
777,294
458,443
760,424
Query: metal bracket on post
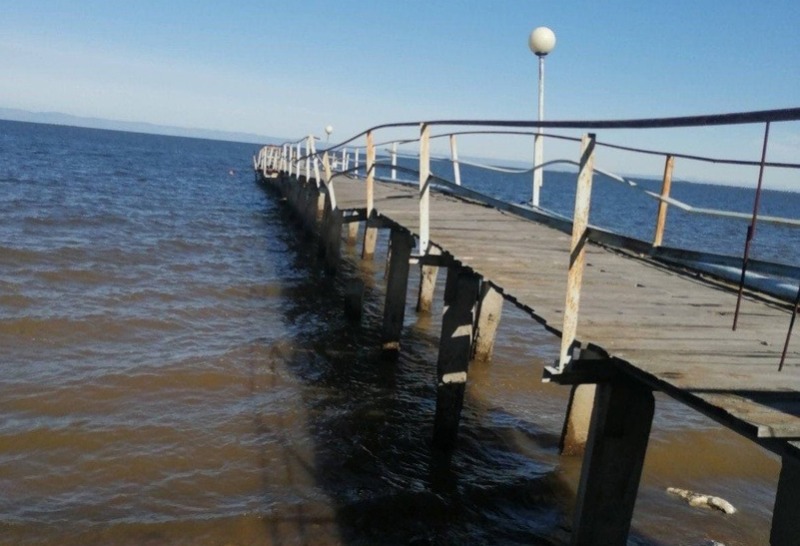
587,365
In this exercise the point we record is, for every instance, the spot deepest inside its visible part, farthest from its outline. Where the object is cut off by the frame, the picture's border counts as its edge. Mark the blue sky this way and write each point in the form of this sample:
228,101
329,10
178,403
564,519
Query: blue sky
287,69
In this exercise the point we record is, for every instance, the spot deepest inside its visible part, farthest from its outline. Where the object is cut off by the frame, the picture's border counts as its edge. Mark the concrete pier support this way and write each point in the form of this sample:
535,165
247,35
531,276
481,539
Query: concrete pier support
455,346
396,288
786,515
490,308
427,282
612,466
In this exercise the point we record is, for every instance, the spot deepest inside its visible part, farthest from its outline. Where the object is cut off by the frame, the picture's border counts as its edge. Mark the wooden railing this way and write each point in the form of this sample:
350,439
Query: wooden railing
300,159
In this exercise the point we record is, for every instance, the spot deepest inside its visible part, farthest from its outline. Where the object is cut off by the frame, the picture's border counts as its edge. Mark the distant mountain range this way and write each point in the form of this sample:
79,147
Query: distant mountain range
56,118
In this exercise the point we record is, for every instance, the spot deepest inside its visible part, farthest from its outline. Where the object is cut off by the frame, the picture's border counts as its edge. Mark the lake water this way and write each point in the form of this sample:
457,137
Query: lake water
177,369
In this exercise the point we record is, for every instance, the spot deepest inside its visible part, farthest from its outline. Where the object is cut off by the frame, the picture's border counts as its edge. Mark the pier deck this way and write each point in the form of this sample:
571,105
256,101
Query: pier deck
667,328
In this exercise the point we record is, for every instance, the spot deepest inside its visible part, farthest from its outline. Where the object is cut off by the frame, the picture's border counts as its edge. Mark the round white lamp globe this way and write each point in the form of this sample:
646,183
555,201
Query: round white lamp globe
542,41
329,129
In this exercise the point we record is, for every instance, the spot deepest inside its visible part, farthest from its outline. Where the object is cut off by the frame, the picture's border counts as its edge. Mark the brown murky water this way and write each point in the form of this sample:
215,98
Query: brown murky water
178,370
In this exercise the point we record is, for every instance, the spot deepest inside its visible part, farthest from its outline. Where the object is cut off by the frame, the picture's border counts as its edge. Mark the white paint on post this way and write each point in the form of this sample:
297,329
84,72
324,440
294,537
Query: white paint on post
356,162
580,222
424,189
454,157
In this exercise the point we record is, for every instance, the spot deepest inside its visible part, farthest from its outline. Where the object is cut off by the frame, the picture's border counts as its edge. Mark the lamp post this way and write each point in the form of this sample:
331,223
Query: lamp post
328,131
542,40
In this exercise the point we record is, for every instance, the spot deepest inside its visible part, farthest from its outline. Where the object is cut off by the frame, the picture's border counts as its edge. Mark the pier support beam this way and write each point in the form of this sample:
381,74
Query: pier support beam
331,236
352,233
427,282
310,208
612,466
396,289
490,307
370,241
455,345
786,515
577,421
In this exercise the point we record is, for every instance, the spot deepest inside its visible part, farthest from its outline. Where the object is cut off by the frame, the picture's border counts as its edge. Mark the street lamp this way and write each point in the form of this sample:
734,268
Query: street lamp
328,131
542,40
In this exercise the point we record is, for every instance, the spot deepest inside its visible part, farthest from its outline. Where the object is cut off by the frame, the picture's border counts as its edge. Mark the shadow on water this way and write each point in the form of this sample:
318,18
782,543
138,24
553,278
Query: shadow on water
370,419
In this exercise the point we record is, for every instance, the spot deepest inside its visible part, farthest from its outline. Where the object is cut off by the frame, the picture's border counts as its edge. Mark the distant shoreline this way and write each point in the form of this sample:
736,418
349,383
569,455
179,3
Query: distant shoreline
57,118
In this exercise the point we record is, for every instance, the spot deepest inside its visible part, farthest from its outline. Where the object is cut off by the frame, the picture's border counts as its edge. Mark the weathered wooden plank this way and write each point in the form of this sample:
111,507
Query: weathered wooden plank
671,326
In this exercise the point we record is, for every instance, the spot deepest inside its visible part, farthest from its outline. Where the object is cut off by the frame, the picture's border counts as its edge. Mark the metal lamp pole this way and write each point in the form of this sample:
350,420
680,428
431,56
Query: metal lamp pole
542,40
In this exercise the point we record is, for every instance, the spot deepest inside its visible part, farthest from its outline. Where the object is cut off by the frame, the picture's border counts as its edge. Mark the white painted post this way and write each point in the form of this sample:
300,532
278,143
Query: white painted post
316,161
454,156
297,159
326,165
424,188
356,159
394,160
309,145
580,221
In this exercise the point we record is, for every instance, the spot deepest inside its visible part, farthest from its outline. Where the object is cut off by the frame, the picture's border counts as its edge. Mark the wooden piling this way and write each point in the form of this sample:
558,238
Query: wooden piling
490,308
786,514
612,466
331,236
427,283
354,299
575,433
352,233
455,344
396,289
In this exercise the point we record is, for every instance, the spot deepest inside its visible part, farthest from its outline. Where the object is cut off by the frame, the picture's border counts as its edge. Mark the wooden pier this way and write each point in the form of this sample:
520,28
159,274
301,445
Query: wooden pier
630,325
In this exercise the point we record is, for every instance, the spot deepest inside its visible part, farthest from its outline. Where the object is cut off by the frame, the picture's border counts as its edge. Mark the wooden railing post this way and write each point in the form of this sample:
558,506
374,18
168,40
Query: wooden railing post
394,160
355,172
309,146
297,159
370,173
454,157
370,233
577,260
424,188
666,184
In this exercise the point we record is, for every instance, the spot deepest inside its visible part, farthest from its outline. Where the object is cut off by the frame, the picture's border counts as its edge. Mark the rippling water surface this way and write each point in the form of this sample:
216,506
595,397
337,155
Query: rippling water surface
177,370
